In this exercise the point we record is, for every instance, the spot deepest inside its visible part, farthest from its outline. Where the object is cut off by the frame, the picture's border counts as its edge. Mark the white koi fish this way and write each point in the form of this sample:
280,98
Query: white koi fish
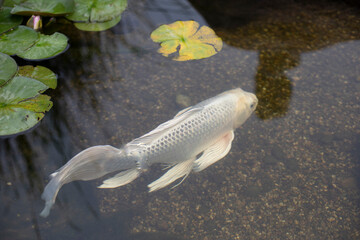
206,128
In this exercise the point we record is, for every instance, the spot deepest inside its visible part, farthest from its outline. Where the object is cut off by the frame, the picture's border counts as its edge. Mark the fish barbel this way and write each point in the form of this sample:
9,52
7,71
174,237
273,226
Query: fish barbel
206,128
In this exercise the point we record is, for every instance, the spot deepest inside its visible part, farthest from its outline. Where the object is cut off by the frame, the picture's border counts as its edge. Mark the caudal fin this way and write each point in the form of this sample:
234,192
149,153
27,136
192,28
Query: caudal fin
89,164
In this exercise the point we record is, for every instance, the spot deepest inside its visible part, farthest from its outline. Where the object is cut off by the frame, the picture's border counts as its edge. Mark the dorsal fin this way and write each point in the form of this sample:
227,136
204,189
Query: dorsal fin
182,111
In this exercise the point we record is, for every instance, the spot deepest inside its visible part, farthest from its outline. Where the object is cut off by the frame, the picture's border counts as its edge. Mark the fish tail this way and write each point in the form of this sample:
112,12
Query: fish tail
92,163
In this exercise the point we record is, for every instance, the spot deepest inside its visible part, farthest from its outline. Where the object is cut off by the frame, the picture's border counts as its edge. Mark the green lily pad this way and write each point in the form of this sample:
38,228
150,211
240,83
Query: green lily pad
7,20
192,42
97,11
98,26
44,7
18,40
11,3
8,68
21,105
47,46
40,73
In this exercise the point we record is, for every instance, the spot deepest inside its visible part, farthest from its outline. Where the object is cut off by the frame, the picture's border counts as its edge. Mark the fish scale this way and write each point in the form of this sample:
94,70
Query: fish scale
195,130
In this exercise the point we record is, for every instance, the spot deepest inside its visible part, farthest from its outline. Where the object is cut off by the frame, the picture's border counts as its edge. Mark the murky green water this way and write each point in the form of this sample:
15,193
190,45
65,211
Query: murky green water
294,168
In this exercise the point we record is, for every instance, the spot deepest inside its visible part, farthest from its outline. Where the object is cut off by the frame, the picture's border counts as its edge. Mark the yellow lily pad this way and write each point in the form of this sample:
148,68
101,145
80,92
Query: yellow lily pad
188,39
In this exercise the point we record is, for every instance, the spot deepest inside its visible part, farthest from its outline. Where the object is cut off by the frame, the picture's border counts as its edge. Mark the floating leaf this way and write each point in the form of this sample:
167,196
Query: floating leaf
18,40
192,42
46,47
40,73
21,105
7,20
11,3
97,11
98,26
44,7
8,68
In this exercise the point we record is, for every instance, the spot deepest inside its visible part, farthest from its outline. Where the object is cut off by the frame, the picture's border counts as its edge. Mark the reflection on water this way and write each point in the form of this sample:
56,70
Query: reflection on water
280,36
273,88
295,175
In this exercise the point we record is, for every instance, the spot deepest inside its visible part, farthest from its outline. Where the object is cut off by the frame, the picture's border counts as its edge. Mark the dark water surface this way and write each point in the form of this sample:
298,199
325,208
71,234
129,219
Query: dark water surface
293,171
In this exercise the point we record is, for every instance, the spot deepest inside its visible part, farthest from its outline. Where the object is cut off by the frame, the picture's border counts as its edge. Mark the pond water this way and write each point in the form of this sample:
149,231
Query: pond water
293,171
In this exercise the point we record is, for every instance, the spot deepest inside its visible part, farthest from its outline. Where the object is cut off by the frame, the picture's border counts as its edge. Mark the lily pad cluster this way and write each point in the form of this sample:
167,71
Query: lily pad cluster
22,104
25,42
87,15
186,38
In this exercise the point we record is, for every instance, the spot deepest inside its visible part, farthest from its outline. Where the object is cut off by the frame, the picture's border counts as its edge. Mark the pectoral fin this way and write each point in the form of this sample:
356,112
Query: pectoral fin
215,152
121,179
178,171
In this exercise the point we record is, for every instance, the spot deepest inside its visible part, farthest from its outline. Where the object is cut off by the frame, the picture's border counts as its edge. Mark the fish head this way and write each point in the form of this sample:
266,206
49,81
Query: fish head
246,103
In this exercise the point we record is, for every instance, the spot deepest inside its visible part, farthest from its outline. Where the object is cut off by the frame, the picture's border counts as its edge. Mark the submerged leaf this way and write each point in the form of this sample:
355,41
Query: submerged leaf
192,42
21,105
7,20
97,11
46,47
8,68
44,7
18,40
97,26
107,10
